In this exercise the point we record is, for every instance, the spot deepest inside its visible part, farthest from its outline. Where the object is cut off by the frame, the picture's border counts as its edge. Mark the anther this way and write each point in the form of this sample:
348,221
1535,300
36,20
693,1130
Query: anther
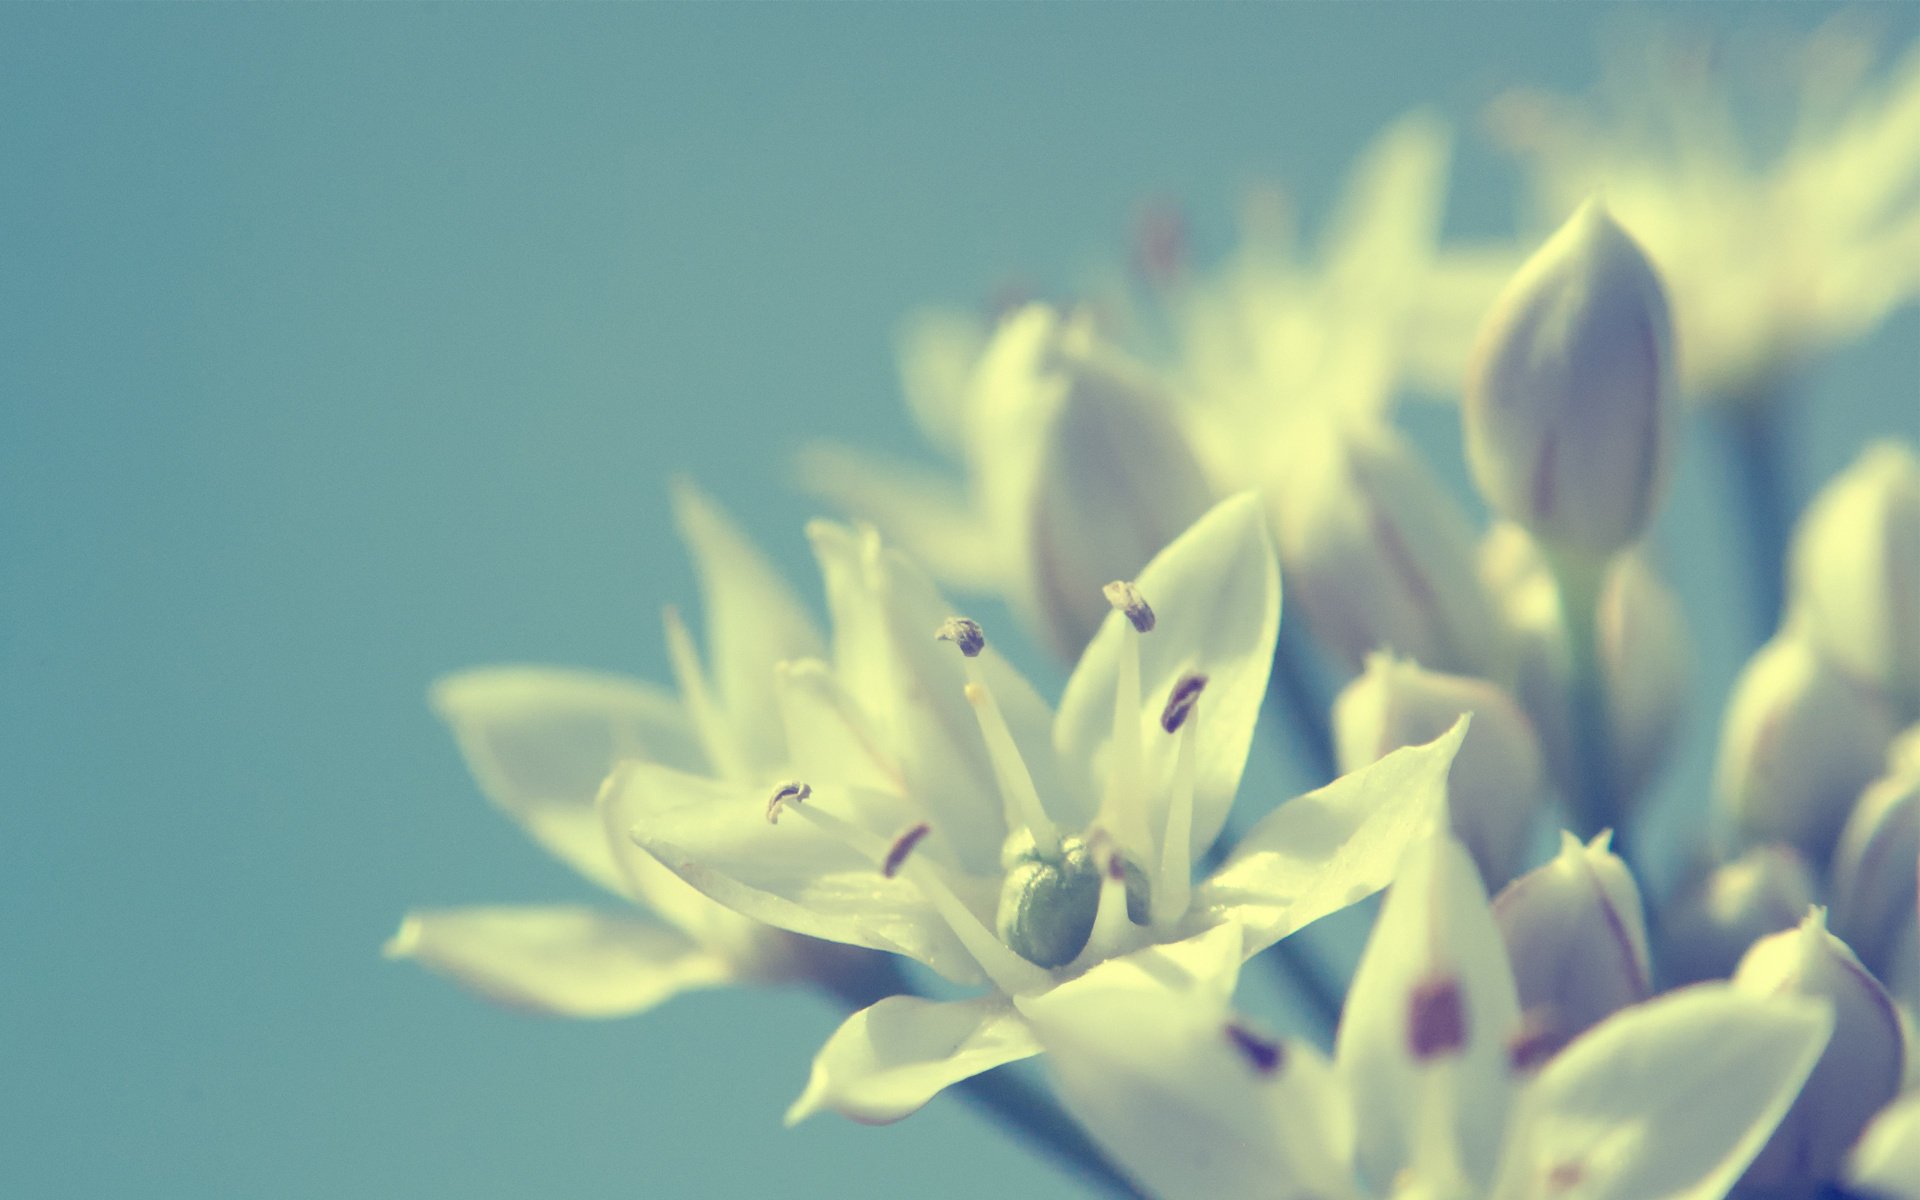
903,846
1125,597
963,633
1262,1053
791,792
1181,700
1436,1018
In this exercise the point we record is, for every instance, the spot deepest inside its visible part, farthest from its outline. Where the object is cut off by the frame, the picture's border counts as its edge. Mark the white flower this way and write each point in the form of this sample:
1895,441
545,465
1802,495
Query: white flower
540,741
939,810
1433,1091
1769,256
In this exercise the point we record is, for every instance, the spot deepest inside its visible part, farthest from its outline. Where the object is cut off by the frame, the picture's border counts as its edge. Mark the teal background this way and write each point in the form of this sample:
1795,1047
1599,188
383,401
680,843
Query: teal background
347,346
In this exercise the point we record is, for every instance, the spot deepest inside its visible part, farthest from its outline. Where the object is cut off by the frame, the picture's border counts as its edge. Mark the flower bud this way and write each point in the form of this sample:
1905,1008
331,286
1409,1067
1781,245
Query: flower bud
1084,466
1645,654
1577,937
1858,1073
1378,554
1498,778
1725,909
1799,742
1569,408
1876,867
1855,571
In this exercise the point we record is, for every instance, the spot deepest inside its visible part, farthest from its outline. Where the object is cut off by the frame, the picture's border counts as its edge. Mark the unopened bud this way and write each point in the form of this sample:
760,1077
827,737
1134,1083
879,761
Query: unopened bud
1103,477
1645,656
1569,407
1498,778
1577,938
1377,553
1858,1073
1713,919
1876,868
1800,741
1855,571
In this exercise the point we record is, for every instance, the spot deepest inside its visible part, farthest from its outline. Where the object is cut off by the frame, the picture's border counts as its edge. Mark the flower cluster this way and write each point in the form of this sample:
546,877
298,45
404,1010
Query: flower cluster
884,808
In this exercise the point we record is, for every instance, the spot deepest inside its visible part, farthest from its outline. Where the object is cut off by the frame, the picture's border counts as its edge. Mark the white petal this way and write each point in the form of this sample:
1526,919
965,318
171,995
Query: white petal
1215,592
563,961
753,620
920,510
1886,1160
716,837
889,1059
1320,852
540,740
1189,1101
1668,1099
1435,929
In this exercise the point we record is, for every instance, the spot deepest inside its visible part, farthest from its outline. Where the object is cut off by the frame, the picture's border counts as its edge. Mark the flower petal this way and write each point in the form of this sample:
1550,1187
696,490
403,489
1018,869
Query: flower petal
1886,1159
753,621
540,740
1671,1098
924,511
716,837
892,1057
1215,592
1187,1099
1320,852
562,961
1435,952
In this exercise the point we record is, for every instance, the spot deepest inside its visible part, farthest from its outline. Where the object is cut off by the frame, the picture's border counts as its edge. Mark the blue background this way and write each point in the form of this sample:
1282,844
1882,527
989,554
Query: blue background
344,347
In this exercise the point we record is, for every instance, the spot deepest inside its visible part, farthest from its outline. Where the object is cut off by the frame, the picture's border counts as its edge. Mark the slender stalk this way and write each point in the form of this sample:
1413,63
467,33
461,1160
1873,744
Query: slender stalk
1002,1095
1596,797
1754,436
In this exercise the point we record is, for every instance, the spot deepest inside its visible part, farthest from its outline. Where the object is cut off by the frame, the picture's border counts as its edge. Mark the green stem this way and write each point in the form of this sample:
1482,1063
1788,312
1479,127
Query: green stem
1596,798
1753,432
1002,1094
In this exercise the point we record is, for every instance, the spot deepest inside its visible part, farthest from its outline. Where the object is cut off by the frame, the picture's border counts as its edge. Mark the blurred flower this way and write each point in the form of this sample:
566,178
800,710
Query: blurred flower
1799,741
1378,554
540,740
1644,649
1105,807
1076,469
1859,1071
1770,255
1577,939
1711,921
1885,1162
1568,407
1856,572
1498,782
1426,1097
1876,867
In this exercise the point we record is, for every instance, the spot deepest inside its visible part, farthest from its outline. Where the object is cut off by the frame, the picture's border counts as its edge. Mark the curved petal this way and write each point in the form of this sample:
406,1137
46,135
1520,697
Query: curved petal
753,620
922,510
1671,1098
716,837
540,740
1423,1043
889,1059
1333,847
1187,1099
1886,1159
1215,591
562,961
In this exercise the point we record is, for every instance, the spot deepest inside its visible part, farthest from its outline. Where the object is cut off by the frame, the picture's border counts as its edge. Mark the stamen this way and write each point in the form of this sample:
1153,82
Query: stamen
1436,1018
1112,929
712,730
1173,890
963,633
1125,597
1123,809
1018,795
1262,1053
1008,971
903,846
